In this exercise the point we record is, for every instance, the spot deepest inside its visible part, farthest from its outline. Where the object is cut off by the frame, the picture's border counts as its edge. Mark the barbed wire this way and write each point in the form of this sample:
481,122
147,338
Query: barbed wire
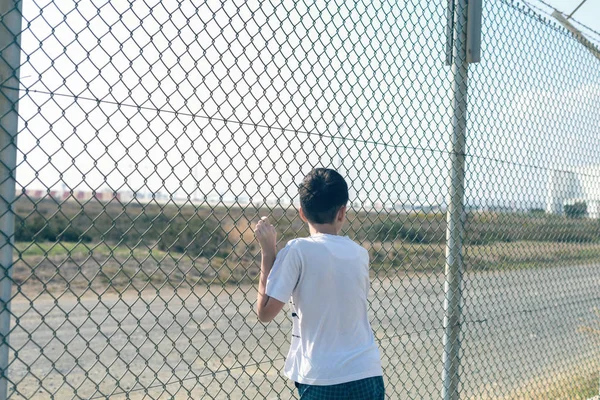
577,22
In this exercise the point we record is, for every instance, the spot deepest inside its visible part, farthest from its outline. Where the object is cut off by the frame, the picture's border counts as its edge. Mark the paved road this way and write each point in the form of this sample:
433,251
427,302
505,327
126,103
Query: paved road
522,329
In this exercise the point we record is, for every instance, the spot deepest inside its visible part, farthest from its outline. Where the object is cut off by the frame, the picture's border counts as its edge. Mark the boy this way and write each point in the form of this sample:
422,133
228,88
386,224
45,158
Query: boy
333,354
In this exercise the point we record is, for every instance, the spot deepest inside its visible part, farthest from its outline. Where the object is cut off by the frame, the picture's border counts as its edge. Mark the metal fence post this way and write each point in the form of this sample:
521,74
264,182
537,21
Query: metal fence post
10,53
454,230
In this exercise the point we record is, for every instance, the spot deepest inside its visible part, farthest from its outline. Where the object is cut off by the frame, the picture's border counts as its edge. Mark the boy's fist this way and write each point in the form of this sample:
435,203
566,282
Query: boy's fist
266,235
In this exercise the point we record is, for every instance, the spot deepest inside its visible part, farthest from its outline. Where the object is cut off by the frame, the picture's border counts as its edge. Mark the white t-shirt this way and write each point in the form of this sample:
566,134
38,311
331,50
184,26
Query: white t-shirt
327,277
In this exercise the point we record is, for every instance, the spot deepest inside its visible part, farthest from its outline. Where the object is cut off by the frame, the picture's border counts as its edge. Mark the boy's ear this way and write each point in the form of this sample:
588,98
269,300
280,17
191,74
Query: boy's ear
302,216
341,213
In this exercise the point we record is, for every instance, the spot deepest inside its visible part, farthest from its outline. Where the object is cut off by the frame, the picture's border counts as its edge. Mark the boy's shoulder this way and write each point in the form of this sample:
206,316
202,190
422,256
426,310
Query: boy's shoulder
303,244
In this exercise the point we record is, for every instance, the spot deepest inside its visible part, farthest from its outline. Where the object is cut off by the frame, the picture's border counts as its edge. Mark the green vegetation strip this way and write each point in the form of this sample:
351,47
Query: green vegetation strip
68,249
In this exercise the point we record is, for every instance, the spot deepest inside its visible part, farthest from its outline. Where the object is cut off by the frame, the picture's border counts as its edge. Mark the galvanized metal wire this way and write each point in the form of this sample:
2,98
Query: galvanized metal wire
152,135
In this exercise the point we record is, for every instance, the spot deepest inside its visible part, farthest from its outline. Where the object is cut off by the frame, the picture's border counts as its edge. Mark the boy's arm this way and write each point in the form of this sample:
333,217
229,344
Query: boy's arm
266,307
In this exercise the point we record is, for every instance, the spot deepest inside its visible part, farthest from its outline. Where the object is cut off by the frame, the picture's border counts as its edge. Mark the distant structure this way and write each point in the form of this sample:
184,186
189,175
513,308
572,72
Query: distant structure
579,185
79,195
105,196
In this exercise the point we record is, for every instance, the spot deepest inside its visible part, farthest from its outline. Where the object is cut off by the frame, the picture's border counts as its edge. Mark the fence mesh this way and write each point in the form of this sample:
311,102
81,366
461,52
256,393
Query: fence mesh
153,134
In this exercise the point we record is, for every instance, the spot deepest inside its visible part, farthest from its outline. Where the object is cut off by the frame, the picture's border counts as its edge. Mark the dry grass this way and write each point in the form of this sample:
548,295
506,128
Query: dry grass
78,267
401,256
592,330
398,243
574,385
55,269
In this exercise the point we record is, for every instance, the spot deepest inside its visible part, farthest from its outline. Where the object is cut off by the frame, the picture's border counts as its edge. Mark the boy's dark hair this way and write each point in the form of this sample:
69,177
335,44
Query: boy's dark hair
322,193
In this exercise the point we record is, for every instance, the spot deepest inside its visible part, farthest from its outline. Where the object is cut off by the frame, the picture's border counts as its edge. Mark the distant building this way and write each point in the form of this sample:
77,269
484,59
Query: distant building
80,196
125,196
35,193
578,185
106,196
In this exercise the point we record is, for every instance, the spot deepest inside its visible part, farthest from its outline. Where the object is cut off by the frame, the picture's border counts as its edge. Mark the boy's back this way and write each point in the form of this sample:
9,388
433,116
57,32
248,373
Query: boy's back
328,279
333,354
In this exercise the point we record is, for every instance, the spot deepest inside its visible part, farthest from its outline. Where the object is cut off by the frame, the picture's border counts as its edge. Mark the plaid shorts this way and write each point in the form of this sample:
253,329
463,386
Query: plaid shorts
364,389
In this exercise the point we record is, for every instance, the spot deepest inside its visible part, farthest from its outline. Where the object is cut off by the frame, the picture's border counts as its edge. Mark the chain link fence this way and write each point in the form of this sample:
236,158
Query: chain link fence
151,135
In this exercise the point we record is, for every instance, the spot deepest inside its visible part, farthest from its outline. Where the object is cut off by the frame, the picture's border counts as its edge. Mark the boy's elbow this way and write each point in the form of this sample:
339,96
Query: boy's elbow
268,312
264,317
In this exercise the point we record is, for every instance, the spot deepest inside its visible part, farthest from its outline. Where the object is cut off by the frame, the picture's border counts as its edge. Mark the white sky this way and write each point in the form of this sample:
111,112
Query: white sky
240,98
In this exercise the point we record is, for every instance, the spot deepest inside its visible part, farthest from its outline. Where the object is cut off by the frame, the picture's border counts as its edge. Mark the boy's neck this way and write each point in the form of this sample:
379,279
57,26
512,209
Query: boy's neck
329,229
